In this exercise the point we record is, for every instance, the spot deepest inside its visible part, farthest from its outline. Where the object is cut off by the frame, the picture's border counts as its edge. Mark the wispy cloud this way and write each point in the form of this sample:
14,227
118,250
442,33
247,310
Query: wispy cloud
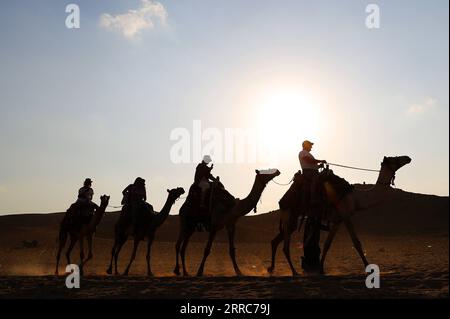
420,108
148,16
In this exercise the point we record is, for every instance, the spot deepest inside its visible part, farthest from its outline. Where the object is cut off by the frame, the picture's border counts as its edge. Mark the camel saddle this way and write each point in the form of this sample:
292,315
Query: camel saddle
293,198
80,214
217,198
335,184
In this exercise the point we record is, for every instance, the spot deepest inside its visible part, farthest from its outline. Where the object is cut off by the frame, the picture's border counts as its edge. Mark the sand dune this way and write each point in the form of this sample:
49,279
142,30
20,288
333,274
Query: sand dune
407,237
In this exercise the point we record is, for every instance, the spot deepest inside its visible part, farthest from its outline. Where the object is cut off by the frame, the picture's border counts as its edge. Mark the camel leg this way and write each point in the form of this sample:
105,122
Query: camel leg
187,236
61,243
81,255
287,252
327,244
90,255
73,241
133,256
176,270
212,235
149,247
355,240
113,252
275,242
231,232
120,243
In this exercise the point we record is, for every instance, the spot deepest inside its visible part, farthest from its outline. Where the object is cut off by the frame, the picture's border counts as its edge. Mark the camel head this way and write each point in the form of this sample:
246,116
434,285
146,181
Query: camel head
395,163
104,201
389,167
175,193
265,176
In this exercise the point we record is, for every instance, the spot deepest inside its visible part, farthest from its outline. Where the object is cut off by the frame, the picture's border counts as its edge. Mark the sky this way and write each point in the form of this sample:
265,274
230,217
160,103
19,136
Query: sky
110,100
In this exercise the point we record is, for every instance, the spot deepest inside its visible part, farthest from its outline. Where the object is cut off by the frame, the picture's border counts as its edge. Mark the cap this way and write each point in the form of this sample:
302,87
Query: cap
306,142
207,159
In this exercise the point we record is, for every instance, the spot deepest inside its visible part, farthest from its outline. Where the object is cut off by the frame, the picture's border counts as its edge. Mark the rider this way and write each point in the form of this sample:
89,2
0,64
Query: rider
85,195
203,176
135,195
310,167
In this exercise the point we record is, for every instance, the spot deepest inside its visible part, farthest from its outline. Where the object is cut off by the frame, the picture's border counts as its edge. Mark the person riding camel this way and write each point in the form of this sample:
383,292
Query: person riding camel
310,167
85,195
203,177
134,198
84,206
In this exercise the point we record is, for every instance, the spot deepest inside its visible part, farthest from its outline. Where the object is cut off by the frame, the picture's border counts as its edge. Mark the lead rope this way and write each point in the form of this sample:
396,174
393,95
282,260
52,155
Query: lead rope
283,184
115,206
353,167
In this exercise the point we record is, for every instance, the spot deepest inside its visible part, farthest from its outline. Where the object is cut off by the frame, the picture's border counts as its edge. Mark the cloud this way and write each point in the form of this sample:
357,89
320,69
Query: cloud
422,107
147,17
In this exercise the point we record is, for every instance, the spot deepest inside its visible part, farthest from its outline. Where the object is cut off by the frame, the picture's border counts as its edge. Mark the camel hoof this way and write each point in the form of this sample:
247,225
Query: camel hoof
238,273
200,274
125,273
176,271
270,270
109,271
150,274
56,273
295,274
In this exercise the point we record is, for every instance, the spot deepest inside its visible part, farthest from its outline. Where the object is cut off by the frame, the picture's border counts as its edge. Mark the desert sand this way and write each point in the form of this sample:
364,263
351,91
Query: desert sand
407,238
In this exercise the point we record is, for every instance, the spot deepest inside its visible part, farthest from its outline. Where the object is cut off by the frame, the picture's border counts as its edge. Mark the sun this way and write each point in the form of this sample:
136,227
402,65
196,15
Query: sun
286,117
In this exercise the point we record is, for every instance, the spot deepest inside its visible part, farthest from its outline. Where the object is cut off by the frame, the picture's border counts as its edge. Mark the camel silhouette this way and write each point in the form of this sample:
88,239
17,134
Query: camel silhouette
220,219
343,209
73,226
146,228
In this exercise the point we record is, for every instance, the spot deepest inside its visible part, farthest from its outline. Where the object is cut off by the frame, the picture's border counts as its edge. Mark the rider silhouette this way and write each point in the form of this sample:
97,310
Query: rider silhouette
311,246
134,197
203,176
85,195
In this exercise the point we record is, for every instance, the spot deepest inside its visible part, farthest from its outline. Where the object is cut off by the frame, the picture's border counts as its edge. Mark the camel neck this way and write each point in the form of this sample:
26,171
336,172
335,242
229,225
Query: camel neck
164,213
98,216
248,203
385,176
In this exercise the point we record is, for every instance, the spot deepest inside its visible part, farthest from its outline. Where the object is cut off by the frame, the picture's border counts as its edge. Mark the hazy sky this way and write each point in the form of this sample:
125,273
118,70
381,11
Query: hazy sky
102,101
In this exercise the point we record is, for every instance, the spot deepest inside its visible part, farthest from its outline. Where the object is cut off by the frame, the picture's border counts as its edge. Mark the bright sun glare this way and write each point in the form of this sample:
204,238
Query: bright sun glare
287,117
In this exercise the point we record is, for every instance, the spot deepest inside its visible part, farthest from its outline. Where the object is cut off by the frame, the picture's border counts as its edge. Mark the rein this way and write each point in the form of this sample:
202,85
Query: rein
283,184
353,167
115,206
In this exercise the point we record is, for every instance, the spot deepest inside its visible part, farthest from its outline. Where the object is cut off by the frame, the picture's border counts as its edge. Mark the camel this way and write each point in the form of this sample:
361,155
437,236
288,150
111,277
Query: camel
78,232
343,209
147,228
221,219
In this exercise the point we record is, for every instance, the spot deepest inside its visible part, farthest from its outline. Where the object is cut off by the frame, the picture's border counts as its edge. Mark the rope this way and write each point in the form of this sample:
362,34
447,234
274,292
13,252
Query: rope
282,184
357,168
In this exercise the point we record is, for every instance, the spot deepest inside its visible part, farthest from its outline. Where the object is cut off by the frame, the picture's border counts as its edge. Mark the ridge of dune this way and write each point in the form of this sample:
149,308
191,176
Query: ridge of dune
406,212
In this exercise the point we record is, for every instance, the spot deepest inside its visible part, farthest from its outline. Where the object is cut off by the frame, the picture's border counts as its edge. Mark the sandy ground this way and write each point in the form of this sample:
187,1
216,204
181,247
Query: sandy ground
411,266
